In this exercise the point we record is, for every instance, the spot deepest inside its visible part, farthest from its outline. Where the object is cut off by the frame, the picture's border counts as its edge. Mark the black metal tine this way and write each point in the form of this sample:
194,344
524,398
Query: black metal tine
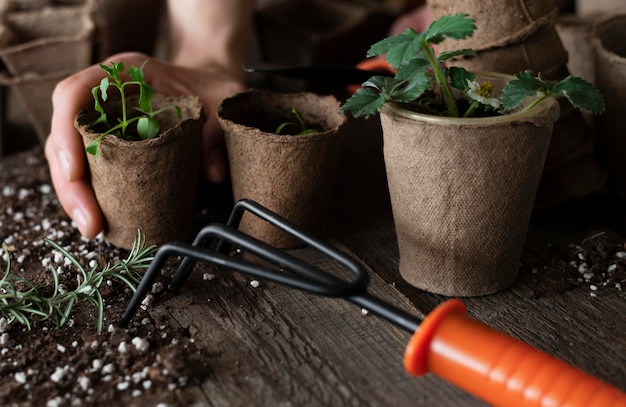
365,300
263,250
338,287
297,269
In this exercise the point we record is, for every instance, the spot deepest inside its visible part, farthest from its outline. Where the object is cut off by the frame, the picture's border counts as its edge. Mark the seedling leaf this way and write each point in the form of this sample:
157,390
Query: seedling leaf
147,127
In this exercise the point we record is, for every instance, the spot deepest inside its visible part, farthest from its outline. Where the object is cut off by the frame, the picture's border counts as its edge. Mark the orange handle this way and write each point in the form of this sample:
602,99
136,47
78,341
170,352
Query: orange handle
374,65
498,368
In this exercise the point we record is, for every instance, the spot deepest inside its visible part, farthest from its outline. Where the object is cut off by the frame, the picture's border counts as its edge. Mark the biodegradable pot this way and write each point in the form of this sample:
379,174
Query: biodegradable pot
462,192
600,7
148,185
499,23
609,44
47,40
292,175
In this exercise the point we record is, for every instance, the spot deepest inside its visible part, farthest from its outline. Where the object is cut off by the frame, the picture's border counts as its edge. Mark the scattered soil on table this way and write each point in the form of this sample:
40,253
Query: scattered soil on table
599,262
147,364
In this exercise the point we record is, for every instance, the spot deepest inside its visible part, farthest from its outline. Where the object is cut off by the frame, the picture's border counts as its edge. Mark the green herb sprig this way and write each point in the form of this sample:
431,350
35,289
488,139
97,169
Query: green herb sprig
147,126
30,305
423,82
298,124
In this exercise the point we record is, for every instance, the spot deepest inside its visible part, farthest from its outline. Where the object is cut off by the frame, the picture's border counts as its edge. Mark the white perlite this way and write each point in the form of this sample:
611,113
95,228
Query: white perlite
141,344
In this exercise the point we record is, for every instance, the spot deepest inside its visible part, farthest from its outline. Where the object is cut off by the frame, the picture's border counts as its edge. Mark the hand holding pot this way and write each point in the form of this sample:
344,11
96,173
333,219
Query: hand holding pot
64,148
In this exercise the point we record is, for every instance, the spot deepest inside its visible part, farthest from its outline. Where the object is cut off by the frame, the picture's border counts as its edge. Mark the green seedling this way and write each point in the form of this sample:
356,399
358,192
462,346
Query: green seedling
422,82
27,306
299,125
146,125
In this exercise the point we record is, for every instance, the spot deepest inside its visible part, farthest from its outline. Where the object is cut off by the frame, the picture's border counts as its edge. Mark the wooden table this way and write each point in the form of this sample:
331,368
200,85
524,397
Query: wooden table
273,345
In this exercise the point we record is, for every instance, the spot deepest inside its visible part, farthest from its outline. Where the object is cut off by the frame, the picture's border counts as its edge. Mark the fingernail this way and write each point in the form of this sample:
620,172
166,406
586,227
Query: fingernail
80,219
65,164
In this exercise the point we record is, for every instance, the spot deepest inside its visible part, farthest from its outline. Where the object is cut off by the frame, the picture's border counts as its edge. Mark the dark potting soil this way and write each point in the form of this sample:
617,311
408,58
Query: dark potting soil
147,364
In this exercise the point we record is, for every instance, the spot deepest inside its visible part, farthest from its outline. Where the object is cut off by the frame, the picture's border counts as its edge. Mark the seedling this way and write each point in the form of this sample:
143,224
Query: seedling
30,305
299,125
422,82
146,125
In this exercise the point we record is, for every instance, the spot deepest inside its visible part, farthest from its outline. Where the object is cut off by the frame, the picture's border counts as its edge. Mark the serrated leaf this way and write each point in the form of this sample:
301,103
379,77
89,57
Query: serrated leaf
400,49
147,128
459,77
377,82
524,85
414,66
580,93
411,90
444,56
365,101
455,26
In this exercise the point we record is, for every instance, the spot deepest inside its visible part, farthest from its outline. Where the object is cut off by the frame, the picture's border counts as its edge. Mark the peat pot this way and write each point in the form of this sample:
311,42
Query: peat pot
292,175
609,45
462,191
149,185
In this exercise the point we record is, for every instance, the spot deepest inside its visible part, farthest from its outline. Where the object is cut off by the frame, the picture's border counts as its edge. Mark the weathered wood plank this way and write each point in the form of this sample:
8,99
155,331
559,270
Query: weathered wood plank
274,345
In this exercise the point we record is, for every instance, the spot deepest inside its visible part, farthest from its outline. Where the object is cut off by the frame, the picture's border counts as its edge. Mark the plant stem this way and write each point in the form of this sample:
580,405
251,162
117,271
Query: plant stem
536,102
123,96
445,88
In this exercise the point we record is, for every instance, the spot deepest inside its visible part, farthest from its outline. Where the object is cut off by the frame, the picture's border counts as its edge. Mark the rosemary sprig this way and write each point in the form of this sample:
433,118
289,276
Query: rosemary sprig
28,306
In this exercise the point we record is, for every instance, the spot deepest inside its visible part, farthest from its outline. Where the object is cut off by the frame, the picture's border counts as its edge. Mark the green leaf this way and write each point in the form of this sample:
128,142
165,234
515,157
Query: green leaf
365,101
455,26
580,93
92,148
413,67
459,77
410,90
104,87
525,85
444,56
147,127
145,98
136,74
98,107
400,48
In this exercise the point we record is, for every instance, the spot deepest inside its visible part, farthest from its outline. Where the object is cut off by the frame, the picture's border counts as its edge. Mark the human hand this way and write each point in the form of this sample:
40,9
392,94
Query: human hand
64,148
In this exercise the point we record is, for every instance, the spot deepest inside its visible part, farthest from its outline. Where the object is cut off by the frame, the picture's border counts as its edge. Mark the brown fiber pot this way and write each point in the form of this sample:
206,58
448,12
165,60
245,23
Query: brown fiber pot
292,175
149,185
462,192
609,45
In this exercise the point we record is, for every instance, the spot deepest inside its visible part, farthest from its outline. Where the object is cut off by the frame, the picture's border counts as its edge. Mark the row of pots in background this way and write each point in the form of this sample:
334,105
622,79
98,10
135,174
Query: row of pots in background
44,41
594,38
61,35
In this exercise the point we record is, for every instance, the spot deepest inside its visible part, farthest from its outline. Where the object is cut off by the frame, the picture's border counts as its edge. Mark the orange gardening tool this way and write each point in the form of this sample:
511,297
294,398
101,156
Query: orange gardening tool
484,362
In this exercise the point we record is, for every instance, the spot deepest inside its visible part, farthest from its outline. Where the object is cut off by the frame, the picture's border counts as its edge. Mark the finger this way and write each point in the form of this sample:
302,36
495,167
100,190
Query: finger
78,201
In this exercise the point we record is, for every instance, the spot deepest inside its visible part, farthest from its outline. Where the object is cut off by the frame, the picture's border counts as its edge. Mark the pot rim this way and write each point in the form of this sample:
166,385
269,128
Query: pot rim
599,30
475,121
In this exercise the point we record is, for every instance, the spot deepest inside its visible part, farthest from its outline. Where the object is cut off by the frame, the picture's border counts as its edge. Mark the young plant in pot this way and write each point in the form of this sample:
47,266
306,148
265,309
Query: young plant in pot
143,157
283,152
464,153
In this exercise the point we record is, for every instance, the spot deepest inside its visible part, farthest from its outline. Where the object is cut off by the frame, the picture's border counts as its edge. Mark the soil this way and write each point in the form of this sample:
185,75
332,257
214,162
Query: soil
146,364
152,361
